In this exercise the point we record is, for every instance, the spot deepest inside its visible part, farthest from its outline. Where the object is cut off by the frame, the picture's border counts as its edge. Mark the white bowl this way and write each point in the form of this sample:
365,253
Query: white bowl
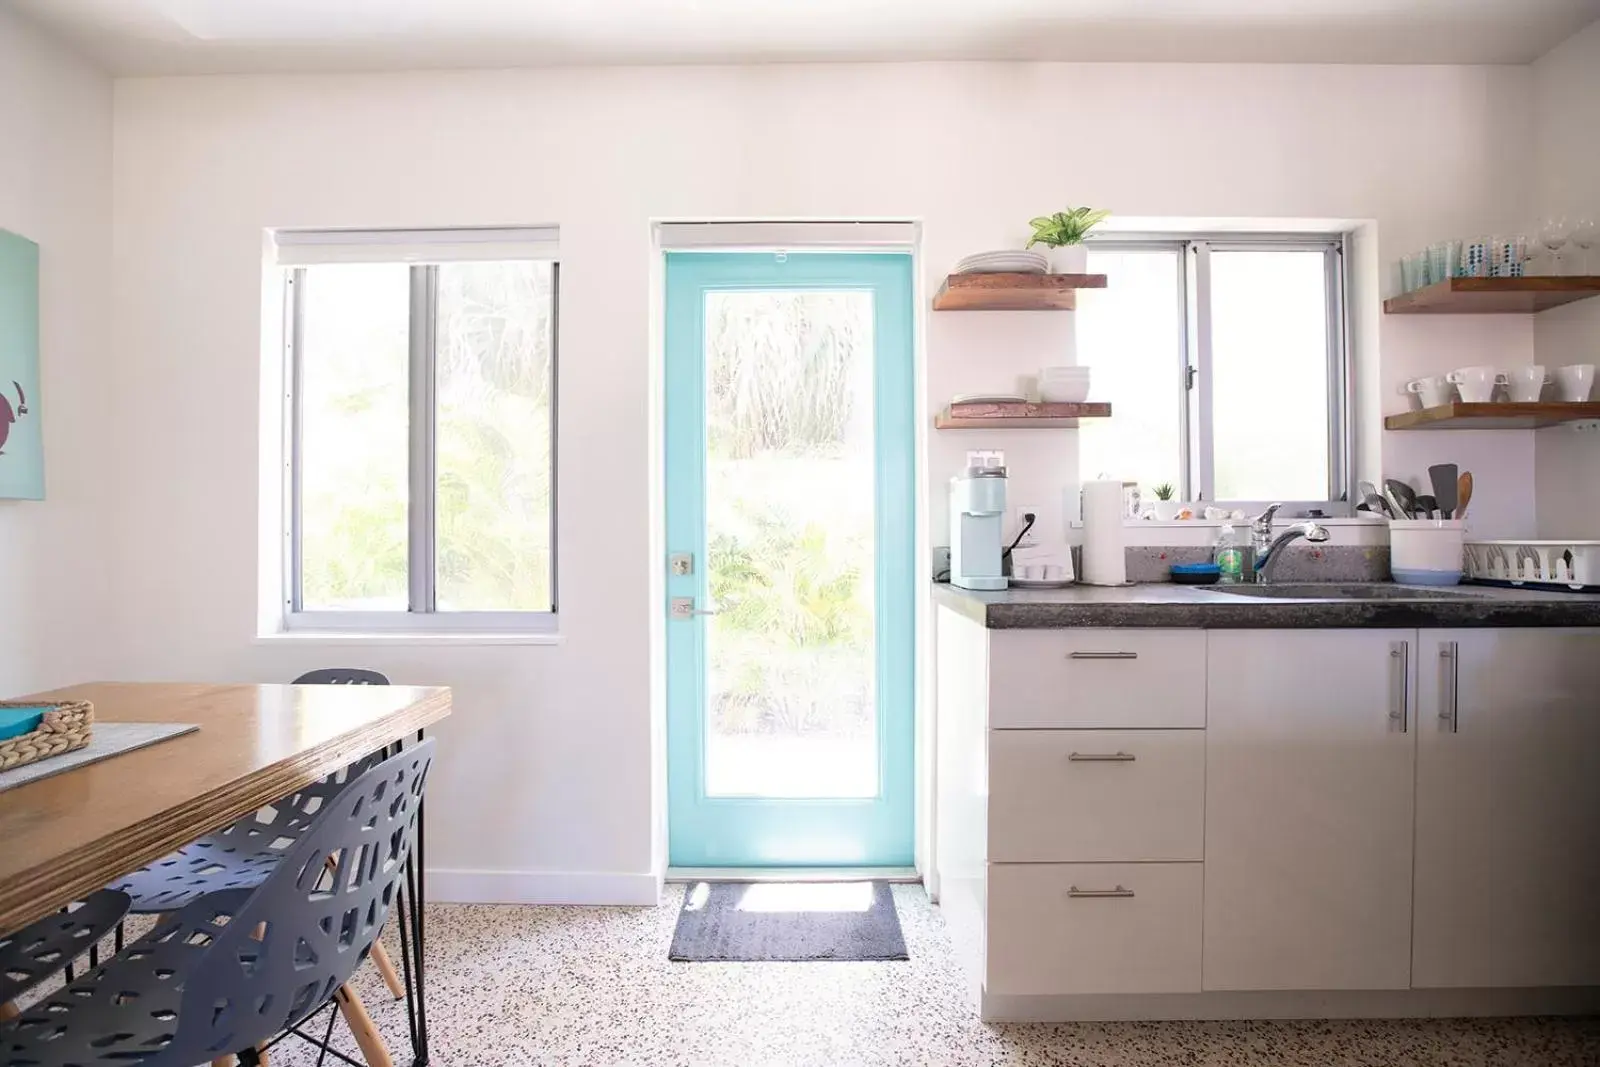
1064,392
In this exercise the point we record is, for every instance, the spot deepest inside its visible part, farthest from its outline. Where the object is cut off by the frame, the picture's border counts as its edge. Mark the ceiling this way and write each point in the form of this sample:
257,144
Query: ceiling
224,36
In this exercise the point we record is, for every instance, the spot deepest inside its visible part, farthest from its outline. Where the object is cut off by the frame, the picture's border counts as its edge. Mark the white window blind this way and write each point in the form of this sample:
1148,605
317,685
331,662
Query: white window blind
308,248
880,235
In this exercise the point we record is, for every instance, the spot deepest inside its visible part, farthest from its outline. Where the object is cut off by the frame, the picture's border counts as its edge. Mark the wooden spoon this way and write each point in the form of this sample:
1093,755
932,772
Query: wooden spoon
1463,493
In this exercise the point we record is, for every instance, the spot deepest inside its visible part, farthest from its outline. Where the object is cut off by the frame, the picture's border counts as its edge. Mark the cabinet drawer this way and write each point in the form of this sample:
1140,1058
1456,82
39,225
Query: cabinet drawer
1089,679
1085,796
1094,928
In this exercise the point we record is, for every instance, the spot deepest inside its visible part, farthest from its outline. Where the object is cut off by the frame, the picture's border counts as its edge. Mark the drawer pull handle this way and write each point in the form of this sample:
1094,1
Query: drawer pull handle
1102,655
1449,683
1101,757
1075,893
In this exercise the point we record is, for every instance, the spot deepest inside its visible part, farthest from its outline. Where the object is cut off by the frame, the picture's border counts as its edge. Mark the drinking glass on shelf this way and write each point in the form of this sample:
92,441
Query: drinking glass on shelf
1475,258
1553,236
1413,271
1585,235
1510,256
1442,259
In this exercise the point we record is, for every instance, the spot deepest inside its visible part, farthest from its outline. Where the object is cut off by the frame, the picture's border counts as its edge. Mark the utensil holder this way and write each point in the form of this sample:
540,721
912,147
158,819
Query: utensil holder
1426,551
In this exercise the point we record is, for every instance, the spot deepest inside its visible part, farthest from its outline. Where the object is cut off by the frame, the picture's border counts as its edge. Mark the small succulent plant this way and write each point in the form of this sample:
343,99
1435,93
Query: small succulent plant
1068,227
1164,491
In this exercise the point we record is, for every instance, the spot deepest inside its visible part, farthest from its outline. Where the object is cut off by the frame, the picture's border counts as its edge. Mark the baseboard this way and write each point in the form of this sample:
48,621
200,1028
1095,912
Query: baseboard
792,874
1335,1004
543,887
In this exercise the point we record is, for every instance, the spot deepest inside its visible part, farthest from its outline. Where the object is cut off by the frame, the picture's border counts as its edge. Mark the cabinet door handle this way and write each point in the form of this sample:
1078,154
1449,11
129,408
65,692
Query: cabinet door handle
1074,893
1101,757
1102,655
1400,683
1449,697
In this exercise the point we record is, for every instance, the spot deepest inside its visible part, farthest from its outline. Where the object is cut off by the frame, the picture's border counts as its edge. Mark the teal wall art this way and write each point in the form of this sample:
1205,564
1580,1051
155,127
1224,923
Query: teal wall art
21,442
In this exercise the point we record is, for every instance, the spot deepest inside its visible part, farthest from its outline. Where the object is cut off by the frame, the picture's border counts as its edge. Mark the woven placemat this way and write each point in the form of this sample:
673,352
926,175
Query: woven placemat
110,739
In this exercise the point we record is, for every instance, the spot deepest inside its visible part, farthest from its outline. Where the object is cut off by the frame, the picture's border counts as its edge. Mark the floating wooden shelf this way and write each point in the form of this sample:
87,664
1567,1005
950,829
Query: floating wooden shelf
1461,416
1018,416
1014,292
1493,296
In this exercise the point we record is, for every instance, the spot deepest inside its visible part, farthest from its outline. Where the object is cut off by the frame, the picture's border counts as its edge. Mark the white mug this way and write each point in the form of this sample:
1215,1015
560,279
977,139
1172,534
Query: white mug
1575,382
1476,383
1527,384
1433,392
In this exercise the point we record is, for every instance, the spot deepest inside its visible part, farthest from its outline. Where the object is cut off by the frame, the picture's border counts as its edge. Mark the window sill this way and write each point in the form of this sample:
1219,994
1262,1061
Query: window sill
337,638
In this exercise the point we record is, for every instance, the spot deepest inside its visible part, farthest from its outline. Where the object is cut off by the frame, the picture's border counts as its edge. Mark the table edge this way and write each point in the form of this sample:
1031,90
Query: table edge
43,889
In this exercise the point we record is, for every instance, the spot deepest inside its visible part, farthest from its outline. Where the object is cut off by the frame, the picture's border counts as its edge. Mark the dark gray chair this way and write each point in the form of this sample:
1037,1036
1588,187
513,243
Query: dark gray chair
45,948
241,856
342,676
234,969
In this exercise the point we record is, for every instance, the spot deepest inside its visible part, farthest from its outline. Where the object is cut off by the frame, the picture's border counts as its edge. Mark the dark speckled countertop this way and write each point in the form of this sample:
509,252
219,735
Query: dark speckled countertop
1205,607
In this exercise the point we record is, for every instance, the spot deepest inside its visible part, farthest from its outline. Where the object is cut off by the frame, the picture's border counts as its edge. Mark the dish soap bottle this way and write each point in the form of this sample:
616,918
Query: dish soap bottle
1229,555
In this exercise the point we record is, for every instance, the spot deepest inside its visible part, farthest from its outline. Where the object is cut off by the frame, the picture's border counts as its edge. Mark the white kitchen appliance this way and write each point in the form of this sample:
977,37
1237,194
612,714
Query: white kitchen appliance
977,510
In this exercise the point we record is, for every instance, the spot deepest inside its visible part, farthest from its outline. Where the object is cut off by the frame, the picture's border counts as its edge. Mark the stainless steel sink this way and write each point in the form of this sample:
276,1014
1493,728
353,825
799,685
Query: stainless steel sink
1337,591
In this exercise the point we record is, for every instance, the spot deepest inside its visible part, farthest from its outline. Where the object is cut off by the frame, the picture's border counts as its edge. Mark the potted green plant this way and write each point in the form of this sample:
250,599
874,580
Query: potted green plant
1063,234
1166,508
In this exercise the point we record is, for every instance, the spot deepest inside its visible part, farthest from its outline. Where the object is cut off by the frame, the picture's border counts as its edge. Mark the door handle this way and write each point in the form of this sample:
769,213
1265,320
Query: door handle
1400,683
1074,893
1449,697
1102,655
682,607
1101,757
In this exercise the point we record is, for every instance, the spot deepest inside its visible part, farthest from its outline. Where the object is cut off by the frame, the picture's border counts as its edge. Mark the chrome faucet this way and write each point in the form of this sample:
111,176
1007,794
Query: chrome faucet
1267,548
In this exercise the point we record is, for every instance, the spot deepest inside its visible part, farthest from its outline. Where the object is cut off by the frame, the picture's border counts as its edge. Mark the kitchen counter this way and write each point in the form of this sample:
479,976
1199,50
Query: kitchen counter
1163,604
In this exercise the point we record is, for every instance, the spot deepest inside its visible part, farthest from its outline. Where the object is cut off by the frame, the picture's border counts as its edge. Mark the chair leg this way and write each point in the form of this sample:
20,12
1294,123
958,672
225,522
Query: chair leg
385,965
373,1050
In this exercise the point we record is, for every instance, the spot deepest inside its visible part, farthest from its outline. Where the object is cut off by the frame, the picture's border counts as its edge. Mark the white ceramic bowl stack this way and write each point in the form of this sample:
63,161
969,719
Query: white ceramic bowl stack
1064,385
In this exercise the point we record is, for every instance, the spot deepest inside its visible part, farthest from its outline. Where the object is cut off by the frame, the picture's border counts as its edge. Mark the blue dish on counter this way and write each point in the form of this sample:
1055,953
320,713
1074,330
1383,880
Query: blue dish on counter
1196,573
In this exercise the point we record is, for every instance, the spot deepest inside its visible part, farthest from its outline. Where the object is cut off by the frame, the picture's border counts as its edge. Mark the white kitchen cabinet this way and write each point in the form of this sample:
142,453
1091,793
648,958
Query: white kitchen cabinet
1167,823
1092,679
1309,803
1096,795
1508,809
1094,928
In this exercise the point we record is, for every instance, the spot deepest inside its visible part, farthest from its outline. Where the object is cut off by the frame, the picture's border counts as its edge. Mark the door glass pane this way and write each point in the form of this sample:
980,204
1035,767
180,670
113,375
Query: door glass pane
1130,334
791,707
495,339
1269,356
354,330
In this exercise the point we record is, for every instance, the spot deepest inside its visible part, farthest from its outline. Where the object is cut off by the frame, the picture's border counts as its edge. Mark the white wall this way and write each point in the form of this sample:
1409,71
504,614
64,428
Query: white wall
546,777
1567,103
55,190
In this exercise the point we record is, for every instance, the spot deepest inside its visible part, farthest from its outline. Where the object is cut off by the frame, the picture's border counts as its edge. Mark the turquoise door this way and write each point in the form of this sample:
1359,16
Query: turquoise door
790,495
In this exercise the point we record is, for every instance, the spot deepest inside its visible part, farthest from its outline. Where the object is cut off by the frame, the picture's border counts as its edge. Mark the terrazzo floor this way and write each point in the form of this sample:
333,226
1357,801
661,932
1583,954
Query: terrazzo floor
593,986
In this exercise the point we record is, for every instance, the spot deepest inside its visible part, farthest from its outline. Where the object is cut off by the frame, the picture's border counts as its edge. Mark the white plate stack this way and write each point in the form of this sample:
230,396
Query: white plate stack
1012,262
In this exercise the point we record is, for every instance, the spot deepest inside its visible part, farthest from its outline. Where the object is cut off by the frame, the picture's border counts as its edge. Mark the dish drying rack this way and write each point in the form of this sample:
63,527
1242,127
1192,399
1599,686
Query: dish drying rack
1551,564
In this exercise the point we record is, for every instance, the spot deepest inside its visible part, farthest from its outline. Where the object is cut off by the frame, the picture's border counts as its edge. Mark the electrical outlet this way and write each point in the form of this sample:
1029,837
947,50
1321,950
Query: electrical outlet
1019,519
1584,426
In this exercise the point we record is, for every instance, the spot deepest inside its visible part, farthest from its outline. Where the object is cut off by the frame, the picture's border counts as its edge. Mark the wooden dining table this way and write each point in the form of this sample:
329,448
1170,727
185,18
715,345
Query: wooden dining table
67,835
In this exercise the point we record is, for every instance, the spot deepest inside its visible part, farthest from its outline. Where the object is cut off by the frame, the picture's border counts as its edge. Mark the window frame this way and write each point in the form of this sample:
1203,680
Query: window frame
1196,440
421,614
